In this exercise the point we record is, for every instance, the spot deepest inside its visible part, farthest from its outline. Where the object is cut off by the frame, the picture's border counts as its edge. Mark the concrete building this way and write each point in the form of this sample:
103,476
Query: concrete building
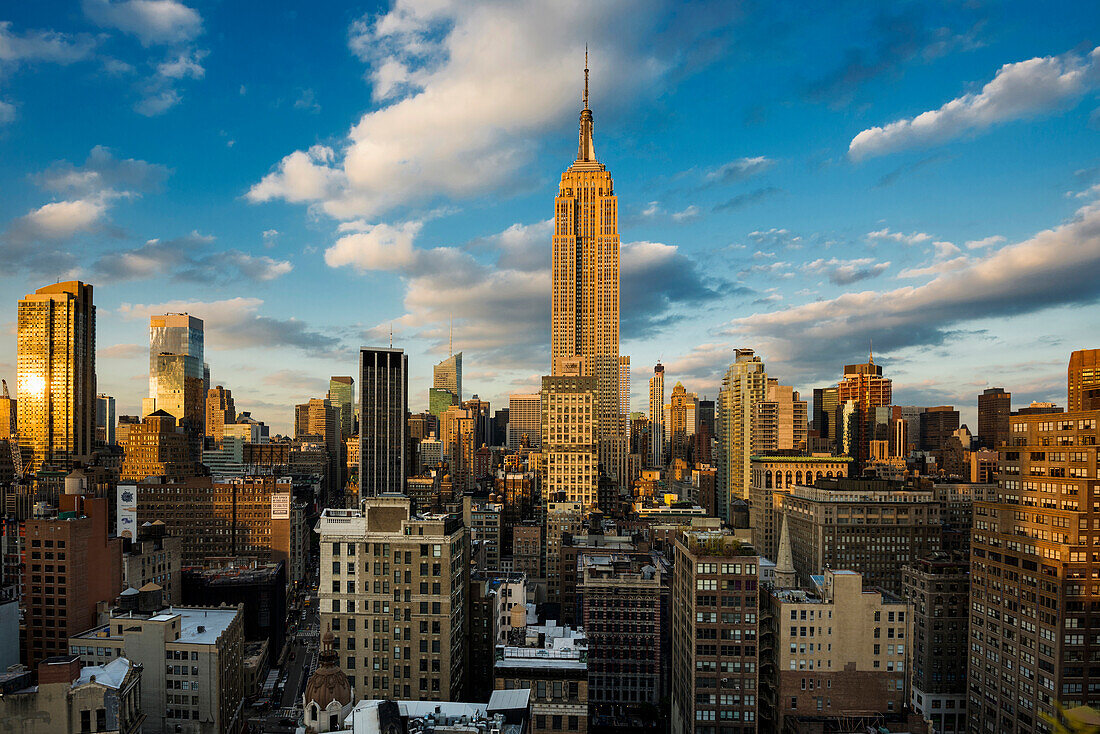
773,476
865,388
527,550
55,375
1032,573
623,601
714,634
252,517
71,698
383,424
743,387
938,592
657,417
937,425
870,526
833,651
682,416
153,557
1083,383
553,661
157,447
319,420
258,589
780,421
394,593
994,407
71,567
524,419
584,330
562,518
220,412
104,421
569,433
507,712
191,657
341,394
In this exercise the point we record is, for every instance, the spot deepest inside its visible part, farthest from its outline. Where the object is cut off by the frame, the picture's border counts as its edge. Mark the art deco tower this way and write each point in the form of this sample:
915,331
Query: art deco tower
56,375
585,324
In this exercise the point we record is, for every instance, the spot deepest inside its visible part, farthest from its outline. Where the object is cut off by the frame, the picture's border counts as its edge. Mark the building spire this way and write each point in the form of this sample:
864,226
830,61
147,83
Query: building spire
586,151
871,351
785,576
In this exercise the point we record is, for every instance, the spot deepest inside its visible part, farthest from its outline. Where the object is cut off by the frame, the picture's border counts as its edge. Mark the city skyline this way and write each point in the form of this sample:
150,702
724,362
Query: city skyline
823,221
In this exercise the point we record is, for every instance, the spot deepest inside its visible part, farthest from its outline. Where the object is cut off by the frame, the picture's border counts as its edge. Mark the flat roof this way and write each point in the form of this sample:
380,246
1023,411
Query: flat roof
212,621
111,675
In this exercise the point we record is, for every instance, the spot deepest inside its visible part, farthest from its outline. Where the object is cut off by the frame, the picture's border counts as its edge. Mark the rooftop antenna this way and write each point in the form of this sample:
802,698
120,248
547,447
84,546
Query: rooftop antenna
391,335
871,351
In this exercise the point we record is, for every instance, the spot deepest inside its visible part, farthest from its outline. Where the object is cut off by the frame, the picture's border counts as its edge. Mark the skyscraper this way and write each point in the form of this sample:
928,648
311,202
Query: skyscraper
825,404
524,419
585,302
994,407
177,374
383,423
55,374
683,408
569,439
780,420
447,375
657,416
1083,385
341,393
867,388
936,426
104,420
220,411
744,385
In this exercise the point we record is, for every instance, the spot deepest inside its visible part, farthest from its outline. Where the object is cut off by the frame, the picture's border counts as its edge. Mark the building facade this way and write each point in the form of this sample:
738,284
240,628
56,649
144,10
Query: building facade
994,407
743,387
383,424
1083,385
569,439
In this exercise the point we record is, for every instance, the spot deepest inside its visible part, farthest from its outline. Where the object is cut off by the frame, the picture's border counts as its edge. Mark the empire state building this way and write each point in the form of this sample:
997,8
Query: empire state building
585,317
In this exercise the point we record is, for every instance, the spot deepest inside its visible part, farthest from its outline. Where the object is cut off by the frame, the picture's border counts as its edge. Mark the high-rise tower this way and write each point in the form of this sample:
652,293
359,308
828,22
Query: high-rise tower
383,420
55,374
657,417
177,374
585,324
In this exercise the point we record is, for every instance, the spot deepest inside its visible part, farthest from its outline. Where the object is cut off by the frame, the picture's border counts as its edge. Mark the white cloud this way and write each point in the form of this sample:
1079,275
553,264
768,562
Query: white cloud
846,272
739,170
60,220
153,22
7,112
48,46
1020,90
984,242
885,235
377,247
686,215
158,103
185,65
461,116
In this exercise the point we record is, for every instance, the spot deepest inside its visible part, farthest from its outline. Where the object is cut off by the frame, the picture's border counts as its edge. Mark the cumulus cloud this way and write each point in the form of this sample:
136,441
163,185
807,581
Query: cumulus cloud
101,173
459,117
1055,267
43,46
153,22
985,242
236,323
846,272
376,247
885,235
60,220
1017,91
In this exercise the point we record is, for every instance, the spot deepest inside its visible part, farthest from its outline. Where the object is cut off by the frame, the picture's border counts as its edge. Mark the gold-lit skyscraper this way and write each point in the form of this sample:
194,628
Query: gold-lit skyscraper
177,378
585,323
55,375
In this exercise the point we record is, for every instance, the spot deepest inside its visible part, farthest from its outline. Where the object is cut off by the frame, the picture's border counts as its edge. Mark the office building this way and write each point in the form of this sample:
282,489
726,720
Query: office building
192,661
682,418
937,425
862,389
994,407
824,417
177,374
1083,384
9,424
553,661
569,439
383,424
157,447
71,566
773,476
252,517
870,526
623,600
837,651
938,592
1032,577
393,592
439,400
152,557
743,387
341,394
319,420
584,334
220,412
714,634
55,375
259,590
500,428
657,417
104,420
70,698
780,421
447,375
524,420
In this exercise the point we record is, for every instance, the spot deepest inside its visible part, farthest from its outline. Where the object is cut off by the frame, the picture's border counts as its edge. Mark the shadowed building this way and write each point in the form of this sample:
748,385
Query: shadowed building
1084,380
994,407
383,421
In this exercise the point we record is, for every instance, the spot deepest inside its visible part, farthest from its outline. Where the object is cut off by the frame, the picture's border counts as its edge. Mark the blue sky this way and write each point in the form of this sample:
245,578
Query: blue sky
306,178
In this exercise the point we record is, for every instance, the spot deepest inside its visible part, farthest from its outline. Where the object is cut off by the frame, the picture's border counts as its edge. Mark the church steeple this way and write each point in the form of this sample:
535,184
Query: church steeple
586,151
785,575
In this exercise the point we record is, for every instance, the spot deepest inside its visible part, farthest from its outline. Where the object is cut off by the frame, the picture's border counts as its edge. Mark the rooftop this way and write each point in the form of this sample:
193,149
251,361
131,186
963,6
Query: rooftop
198,625
111,675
